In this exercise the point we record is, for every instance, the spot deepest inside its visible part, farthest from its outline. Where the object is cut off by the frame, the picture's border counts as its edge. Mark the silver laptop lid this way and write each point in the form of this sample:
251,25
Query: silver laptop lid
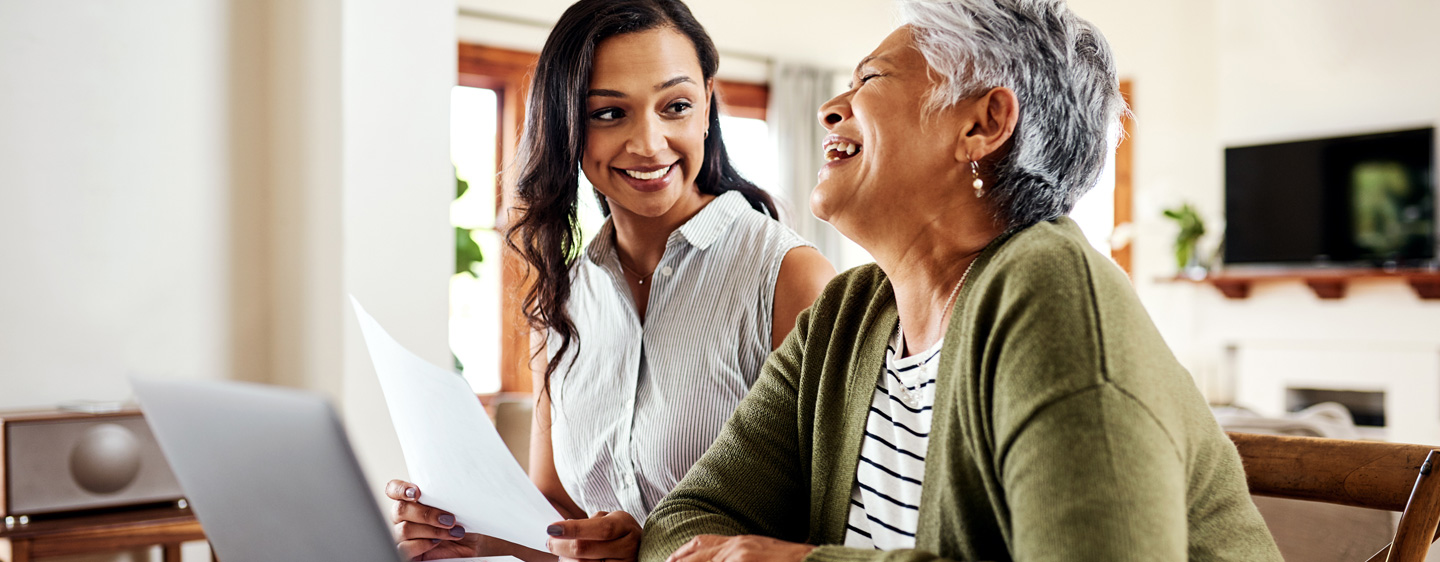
268,471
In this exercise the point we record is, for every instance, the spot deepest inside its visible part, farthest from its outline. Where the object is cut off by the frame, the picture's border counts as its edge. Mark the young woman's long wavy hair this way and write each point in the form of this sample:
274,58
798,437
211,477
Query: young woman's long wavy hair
547,232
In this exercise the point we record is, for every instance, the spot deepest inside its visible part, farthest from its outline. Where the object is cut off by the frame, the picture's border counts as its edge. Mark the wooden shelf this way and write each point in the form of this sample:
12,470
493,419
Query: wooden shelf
1327,284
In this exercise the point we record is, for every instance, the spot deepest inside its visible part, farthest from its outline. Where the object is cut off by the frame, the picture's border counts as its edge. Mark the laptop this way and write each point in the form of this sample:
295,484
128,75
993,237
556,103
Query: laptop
267,470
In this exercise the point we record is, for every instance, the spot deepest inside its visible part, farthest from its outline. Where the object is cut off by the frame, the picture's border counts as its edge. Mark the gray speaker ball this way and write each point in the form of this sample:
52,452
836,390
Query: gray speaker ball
106,459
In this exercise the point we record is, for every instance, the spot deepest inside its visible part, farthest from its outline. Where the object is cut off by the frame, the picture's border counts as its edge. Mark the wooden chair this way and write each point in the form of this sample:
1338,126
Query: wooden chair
1375,475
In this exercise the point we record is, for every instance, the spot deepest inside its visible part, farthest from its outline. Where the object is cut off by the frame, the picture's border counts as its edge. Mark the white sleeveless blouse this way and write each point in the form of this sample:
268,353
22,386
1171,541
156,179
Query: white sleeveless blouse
641,403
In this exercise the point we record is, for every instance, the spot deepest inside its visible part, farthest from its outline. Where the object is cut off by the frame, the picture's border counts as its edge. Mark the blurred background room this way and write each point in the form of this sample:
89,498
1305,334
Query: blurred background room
191,188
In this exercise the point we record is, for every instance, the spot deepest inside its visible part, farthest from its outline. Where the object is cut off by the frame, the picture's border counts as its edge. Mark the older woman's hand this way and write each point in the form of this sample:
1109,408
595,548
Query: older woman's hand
612,535
744,548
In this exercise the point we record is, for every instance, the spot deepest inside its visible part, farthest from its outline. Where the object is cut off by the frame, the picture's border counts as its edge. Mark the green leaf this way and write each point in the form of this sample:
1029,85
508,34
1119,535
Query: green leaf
467,252
1192,227
461,186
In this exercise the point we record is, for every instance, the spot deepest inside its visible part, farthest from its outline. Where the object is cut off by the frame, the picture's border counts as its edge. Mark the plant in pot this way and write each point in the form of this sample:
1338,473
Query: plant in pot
1192,227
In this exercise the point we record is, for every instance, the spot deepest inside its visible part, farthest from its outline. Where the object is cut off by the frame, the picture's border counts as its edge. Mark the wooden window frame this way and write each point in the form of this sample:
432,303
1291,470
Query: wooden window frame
742,99
1125,181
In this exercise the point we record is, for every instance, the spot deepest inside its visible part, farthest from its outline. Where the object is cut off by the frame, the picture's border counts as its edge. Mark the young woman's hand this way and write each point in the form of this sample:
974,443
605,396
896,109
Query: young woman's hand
744,548
611,536
423,532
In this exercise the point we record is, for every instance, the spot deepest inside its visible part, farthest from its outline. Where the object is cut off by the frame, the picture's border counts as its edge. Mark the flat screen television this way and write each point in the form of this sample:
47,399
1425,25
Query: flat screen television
1365,201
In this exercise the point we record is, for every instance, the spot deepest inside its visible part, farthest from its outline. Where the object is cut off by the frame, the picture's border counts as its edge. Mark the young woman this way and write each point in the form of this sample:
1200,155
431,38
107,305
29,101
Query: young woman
649,337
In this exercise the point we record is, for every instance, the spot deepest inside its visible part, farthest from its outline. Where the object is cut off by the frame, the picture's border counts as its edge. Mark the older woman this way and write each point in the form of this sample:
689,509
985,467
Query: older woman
991,389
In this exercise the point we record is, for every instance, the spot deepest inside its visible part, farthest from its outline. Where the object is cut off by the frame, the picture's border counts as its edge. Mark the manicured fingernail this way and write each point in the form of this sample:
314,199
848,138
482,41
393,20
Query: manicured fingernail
457,532
434,541
410,493
447,519
554,530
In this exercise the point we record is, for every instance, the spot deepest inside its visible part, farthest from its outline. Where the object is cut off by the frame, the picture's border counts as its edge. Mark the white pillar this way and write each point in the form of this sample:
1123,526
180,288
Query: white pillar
399,63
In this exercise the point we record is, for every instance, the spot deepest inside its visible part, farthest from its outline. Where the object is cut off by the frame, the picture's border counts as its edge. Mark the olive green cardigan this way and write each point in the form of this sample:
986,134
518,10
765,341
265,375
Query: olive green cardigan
1063,427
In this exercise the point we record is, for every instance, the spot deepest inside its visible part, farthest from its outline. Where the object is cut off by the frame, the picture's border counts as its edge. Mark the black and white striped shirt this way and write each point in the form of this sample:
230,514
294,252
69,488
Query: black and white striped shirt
885,504
641,402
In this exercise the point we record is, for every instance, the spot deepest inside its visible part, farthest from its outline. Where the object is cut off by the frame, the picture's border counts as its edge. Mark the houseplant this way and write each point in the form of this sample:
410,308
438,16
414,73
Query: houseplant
1192,227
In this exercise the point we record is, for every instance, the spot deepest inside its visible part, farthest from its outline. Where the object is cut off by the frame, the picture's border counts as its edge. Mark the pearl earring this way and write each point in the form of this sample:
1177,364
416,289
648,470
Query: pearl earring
979,184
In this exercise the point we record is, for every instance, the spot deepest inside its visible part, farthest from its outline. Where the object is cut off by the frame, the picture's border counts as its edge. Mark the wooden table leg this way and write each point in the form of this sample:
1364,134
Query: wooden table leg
171,552
20,550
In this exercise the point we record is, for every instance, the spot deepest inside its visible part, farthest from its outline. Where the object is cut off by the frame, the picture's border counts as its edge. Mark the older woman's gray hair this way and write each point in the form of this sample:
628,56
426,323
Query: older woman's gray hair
1061,69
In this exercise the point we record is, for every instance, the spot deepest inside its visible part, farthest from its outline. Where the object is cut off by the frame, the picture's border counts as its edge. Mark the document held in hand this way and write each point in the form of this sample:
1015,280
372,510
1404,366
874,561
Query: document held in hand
451,449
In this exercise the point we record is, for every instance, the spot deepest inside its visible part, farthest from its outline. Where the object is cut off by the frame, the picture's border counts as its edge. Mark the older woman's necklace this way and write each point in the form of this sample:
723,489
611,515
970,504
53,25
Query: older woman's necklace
912,397
945,312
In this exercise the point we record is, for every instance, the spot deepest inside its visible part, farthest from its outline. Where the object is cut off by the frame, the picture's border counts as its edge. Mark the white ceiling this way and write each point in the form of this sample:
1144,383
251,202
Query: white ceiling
834,34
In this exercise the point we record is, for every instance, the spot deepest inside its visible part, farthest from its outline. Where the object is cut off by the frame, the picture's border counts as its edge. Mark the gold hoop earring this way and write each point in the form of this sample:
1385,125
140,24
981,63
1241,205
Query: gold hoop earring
979,184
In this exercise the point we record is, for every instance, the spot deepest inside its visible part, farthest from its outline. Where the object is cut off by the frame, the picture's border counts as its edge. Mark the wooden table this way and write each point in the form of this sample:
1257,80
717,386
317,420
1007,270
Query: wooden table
107,532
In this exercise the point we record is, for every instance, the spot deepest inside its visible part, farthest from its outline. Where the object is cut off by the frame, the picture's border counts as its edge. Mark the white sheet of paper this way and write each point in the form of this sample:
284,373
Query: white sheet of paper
452,450
485,559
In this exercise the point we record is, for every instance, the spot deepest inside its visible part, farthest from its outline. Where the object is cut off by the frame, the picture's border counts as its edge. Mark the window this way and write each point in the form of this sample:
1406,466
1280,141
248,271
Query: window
1104,214
1095,212
747,140
475,294
498,353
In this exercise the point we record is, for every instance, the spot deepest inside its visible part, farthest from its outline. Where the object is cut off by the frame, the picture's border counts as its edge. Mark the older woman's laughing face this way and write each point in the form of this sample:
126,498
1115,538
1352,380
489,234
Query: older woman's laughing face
884,153
887,160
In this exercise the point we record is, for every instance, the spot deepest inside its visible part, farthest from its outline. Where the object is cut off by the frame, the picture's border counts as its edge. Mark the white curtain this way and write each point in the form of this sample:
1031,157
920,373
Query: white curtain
796,93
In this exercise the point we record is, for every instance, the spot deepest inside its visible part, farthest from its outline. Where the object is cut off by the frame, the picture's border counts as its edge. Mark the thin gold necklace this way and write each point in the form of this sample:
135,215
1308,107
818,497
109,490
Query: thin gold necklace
639,279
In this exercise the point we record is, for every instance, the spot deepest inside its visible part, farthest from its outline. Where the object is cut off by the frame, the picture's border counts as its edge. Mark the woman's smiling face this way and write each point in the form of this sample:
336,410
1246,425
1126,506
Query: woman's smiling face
647,111
884,154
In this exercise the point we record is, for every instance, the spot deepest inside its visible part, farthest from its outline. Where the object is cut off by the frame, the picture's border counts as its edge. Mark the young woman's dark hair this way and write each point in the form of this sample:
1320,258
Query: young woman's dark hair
547,232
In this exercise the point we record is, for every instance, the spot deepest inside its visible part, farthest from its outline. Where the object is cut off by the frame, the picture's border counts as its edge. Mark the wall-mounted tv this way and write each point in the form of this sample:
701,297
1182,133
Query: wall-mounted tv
1366,200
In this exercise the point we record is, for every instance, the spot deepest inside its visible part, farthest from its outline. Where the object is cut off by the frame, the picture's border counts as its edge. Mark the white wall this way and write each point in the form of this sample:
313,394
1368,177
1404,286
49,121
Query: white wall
304,312
117,155
190,188
1300,68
